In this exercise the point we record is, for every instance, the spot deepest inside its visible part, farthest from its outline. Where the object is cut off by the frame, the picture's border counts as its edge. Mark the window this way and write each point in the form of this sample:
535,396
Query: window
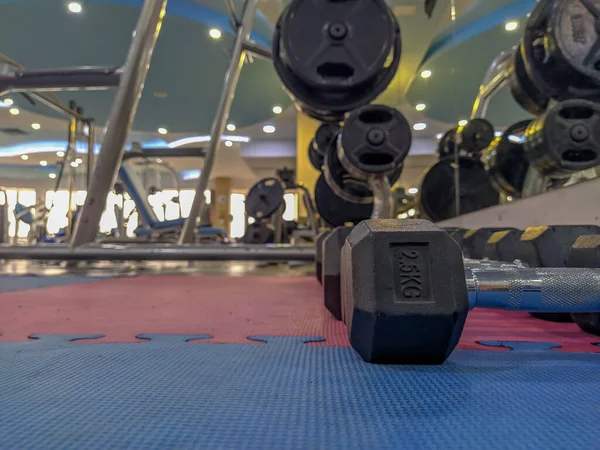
237,209
291,206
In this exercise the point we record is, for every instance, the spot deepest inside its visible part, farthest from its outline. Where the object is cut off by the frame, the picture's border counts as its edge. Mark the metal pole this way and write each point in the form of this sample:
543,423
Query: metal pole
120,120
310,208
72,143
258,50
91,143
158,253
380,185
218,127
456,181
492,83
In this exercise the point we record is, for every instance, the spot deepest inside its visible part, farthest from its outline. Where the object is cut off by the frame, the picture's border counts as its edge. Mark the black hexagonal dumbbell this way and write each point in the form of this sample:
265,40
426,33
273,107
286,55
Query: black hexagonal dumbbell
549,247
406,290
474,240
503,246
586,253
332,248
319,254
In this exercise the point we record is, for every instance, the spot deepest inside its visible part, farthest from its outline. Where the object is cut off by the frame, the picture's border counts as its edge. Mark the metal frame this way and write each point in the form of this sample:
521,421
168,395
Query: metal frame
495,79
120,119
238,57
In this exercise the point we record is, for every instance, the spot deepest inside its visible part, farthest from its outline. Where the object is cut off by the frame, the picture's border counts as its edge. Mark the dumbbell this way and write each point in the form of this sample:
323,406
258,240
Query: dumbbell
332,248
319,254
406,291
503,245
474,241
550,247
586,253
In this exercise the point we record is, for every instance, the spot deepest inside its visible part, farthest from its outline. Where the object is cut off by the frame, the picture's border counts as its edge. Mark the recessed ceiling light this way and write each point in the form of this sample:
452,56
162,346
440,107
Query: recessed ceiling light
74,164
511,26
14,111
421,107
269,129
75,7
228,144
43,163
79,160
36,126
215,33
463,122
24,157
8,101
439,135
277,109
419,126
52,176
162,130
413,191
230,127
426,74
60,154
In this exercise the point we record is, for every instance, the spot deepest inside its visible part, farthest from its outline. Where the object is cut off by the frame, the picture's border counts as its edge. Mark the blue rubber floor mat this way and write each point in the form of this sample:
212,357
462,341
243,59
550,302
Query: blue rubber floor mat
171,394
13,283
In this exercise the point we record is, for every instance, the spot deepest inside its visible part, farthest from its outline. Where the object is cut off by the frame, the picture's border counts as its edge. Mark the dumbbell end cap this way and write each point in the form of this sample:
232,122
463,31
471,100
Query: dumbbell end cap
404,293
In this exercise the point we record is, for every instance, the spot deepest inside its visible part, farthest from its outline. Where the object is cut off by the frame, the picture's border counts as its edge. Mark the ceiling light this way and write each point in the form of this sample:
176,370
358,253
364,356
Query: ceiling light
43,163
230,127
269,129
14,111
60,154
74,164
79,160
277,109
24,157
75,7
511,26
36,126
421,107
52,176
215,33
8,101
439,135
426,74
413,191
228,144
463,122
419,126
162,130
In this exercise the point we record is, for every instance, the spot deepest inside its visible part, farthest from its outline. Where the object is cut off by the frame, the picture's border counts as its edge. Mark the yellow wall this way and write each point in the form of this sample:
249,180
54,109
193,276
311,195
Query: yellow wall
305,172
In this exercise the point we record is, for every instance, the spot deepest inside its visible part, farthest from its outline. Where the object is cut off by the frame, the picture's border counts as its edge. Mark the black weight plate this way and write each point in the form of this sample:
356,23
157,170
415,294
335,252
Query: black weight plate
326,136
347,186
259,233
375,140
524,91
437,193
475,136
316,158
332,56
336,211
565,139
447,144
505,160
264,198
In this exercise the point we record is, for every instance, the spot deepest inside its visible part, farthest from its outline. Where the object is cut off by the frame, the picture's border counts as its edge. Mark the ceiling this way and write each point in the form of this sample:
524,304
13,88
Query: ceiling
457,44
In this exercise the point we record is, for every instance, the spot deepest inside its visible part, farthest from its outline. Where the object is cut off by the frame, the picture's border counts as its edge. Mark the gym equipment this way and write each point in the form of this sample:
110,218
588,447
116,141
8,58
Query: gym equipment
474,241
319,254
325,137
406,291
475,136
560,49
503,246
565,139
447,144
259,233
437,192
335,210
549,247
332,247
333,57
264,198
505,160
523,90
586,253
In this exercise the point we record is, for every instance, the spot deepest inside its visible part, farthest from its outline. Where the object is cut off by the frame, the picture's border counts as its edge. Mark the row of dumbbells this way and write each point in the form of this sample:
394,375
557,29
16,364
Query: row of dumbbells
403,288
